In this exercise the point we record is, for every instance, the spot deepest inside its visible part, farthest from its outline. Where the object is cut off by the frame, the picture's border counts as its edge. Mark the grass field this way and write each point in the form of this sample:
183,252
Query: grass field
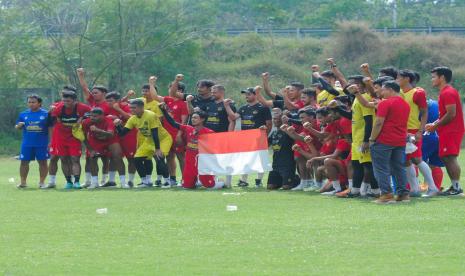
162,232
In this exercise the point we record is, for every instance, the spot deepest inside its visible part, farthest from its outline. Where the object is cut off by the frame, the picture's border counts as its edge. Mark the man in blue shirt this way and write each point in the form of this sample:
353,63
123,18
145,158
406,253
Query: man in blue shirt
34,123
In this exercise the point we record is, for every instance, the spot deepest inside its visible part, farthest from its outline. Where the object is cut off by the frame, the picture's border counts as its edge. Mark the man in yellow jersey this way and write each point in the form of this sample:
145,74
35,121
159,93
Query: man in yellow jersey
329,91
148,141
362,124
416,98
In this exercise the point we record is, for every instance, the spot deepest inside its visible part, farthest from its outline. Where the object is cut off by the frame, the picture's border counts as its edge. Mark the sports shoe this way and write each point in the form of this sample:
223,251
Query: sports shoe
49,186
430,193
166,185
373,195
21,186
403,198
93,186
86,185
42,186
157,183
77,185
69,185
347,194
143,186
125,186
242,184
258,183
130,184
452,192
299,187
385,199
108,185
415,194
330,193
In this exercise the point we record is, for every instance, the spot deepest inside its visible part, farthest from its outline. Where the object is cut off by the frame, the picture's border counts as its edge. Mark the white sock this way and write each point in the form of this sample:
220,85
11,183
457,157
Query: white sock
351,184
131,177
427,175
88,177
104,178
111,176
244,177
412,179
455,184
363,189
228,180
52,179
94,180
148,179
355,190
122,179
336,185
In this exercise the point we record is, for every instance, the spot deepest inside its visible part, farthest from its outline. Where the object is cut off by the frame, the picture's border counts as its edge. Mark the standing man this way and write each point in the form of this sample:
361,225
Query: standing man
387,140
416,98
450,126
67,114
34,123
253,115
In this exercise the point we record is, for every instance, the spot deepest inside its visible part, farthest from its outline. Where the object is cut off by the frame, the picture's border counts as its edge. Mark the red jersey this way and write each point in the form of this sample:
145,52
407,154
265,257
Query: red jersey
103,105
395,112
449,96
344,126
106,124
344,147
192,137
176,108
299,103
65,119
113,114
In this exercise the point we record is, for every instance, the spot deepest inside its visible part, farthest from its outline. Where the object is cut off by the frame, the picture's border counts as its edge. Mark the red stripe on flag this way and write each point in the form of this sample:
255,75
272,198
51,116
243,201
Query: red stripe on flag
231,142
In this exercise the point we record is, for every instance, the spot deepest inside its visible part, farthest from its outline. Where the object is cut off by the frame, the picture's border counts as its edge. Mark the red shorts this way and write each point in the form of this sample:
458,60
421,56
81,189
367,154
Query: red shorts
419,143
449,144
60,149
129,144
190,174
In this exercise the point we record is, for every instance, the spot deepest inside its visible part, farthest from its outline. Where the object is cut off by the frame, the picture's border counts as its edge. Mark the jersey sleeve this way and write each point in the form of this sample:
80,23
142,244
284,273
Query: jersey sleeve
130,124
419,98
20,118
366,111
153,121
447,98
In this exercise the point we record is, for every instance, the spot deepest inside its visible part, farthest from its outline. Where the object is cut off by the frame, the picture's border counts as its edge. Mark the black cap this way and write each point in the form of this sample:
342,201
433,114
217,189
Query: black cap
248,90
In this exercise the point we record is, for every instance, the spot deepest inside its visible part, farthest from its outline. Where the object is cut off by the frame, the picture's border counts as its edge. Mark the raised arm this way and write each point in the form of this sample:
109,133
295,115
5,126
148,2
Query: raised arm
173,91
153,90
267,86
339,76
83,83
262,100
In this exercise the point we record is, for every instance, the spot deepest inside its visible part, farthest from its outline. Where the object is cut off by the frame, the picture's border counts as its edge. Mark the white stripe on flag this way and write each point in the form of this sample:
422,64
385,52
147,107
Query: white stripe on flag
234,163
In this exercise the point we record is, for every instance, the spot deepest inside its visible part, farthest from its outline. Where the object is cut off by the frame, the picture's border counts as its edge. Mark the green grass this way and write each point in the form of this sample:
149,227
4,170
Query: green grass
190,232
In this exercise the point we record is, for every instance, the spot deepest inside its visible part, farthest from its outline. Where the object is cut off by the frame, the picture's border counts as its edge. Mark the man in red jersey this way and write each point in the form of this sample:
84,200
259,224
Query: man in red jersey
121,110
65,115
101,141
449,126
190,173
387,144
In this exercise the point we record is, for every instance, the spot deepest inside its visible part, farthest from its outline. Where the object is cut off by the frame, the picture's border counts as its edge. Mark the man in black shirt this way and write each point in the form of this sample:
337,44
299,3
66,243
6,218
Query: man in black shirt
283,173
253,115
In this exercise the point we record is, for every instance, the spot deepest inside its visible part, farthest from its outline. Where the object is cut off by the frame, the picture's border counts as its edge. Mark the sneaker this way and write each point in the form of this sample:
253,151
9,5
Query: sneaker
69,185
385,199
373,195
403,198
258,183
452,192
299,187
93,186
42,186
242,184
415,194
108,185
158,183
130,184
49,186
166,185
347,194
86,185
330,193
77,185
430,193
21,186
143,186
125,186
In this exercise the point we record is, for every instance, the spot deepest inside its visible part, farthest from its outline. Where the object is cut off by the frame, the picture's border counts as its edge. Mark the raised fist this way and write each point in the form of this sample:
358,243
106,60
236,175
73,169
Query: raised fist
80,71
131,93
152,80
179,77
365,67
307,125
93,128
291,129
266,76
315,68
189,98
331,61
117,122
296,147
308,139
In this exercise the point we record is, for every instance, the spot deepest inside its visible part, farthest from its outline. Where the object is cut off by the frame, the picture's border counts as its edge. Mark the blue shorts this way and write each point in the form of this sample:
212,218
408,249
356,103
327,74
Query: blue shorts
430,150
33,153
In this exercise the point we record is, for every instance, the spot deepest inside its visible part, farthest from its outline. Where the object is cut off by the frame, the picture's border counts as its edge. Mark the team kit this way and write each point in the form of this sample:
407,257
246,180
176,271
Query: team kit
367,135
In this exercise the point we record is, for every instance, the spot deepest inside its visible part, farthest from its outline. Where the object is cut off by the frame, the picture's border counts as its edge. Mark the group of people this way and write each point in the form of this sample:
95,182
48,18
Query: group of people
349,137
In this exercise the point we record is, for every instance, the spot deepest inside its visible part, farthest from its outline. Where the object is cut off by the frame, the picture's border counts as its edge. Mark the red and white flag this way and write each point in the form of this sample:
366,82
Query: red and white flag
233,153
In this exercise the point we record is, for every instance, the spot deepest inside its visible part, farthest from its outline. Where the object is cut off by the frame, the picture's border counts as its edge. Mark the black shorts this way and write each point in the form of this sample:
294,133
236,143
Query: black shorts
283,176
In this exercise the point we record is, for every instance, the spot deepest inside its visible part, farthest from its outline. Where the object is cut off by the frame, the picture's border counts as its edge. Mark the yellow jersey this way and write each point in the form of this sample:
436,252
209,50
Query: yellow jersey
358,122
324,97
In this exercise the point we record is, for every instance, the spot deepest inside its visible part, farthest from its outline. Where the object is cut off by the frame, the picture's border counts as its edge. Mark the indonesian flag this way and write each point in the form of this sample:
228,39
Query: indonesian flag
233,153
